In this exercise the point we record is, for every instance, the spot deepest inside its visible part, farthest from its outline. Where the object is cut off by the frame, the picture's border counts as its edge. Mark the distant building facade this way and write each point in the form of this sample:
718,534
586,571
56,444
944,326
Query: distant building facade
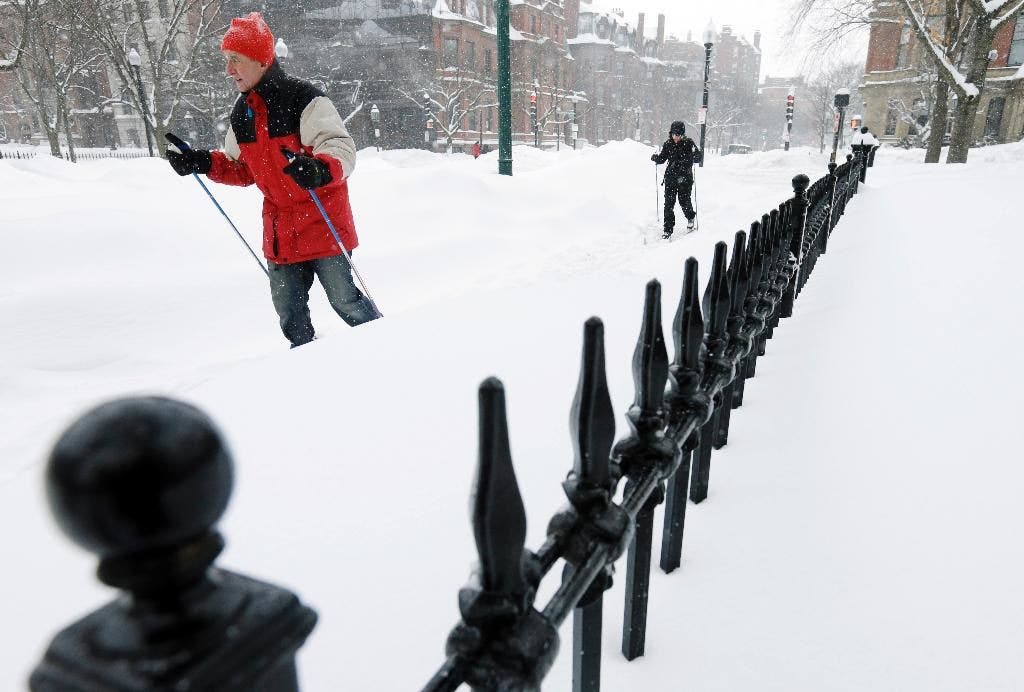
899,75
580,74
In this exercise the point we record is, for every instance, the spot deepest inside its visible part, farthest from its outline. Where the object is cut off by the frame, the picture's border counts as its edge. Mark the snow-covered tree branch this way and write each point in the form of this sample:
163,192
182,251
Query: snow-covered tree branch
452,95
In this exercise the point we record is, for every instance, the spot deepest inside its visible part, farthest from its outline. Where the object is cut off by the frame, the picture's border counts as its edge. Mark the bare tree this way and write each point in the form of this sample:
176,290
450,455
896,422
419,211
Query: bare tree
822,28
976,26
731,110
13,39
53,59
818,102
452,95
170,41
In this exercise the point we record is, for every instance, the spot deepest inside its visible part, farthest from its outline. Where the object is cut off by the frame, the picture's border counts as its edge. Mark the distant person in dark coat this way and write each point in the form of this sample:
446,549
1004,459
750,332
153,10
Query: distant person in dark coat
681,153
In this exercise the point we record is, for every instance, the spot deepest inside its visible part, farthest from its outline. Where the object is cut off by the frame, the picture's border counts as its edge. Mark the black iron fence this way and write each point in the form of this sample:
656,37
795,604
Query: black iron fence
141,482
80,155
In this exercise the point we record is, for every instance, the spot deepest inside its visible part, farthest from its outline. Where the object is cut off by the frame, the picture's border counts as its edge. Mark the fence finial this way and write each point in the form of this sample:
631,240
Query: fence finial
502,642
499,519
141,482
592,418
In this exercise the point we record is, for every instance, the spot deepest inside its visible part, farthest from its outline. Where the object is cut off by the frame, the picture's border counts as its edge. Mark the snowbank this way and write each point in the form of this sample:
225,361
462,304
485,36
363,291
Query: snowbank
860,527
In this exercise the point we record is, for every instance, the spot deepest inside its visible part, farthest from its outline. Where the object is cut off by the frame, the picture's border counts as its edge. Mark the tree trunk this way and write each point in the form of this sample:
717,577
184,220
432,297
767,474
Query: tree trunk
49,127
963,128
65,122
967,108
53,138
940,112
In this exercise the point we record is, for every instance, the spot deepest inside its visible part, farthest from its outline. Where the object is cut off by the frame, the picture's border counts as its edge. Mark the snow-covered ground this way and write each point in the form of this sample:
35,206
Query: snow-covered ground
860,530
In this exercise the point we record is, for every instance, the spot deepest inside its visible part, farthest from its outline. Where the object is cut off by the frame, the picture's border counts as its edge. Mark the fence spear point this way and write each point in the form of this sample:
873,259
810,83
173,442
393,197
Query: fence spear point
499,518
650,359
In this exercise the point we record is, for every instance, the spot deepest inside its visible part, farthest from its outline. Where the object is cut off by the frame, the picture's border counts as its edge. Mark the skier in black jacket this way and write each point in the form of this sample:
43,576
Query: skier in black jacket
681,153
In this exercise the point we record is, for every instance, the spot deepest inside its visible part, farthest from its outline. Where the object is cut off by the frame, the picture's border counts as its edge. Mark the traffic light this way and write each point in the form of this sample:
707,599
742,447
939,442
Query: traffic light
790,98
533,112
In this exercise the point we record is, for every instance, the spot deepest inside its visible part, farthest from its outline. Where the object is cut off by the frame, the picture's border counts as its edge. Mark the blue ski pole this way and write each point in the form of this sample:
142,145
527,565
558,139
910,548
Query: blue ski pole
290,155
183,146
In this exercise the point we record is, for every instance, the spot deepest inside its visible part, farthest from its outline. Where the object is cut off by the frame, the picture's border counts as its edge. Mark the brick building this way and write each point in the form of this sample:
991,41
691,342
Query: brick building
620,75
430,68
899,76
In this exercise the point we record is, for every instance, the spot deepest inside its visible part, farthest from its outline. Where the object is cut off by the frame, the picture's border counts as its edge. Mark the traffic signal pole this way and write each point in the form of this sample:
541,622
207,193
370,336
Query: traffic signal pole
789,117
533,119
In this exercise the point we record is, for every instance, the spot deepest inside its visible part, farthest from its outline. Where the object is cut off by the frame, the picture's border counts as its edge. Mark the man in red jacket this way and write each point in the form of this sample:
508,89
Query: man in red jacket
276,111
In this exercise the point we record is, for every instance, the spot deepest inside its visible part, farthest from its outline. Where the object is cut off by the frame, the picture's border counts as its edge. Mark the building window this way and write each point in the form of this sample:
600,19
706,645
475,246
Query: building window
472,120
533,25
470,56
890,122
490,120
994,116
1016,56
903,51
487,60
451,52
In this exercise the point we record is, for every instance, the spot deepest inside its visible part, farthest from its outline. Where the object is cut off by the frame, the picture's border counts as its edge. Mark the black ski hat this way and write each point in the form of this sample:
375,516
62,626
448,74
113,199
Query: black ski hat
677,128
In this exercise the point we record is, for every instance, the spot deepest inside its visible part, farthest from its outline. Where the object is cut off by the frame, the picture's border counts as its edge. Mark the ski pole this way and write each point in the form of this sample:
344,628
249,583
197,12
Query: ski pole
657,212
182,146
290,155
695,212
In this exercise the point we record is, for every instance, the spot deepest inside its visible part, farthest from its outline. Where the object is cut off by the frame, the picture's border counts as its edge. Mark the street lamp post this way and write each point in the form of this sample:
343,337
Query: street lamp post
575,127
281,48
842,100
111,122
709,40
428,122
534,124
375,119
637,111
501,16
135,60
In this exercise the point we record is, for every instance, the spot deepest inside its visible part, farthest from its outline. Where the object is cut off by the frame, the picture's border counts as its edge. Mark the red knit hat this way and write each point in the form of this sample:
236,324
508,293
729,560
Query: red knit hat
251,37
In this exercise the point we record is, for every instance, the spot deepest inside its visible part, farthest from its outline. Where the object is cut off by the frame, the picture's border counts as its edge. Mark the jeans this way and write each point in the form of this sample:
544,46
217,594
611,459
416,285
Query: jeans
680,190
289,289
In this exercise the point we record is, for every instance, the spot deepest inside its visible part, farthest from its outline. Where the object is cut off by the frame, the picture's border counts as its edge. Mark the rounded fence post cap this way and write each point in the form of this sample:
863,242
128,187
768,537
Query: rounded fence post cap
138,473
800,183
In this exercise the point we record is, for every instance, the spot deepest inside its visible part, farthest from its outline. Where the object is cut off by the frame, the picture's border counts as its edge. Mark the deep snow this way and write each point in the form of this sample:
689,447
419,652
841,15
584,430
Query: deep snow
860,530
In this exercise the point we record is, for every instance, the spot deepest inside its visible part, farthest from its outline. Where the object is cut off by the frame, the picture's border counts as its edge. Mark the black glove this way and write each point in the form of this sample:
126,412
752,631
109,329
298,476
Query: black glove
698,157
185,160
654,157
308,172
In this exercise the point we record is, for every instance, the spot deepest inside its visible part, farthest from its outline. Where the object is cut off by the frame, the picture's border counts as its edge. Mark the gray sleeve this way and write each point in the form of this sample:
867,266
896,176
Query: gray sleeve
322,128
231,149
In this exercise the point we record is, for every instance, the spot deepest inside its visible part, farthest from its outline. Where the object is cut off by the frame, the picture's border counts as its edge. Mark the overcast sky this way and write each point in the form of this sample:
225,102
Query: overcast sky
772,17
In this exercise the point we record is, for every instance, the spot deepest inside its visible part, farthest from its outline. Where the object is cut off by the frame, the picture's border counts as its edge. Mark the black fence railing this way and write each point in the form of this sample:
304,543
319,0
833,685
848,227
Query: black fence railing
142,482
681,413
89,155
